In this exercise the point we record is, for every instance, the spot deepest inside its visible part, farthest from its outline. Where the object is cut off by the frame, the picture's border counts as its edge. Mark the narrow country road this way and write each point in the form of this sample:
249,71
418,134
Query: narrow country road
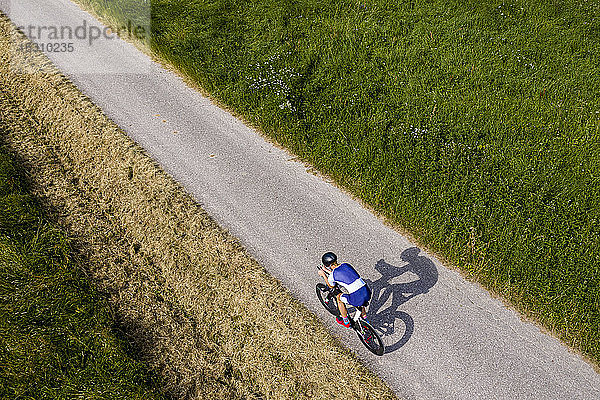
446,338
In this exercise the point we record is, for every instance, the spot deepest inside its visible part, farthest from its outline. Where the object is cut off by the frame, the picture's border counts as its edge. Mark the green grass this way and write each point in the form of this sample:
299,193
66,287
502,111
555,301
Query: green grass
57,337
474,125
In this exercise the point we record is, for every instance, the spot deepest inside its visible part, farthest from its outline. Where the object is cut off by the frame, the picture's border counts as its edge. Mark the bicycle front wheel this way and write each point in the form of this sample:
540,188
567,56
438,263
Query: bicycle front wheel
329,303
370,338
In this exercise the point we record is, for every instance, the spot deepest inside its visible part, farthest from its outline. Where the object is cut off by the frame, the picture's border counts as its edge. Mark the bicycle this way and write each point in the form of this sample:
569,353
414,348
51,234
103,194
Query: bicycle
365,332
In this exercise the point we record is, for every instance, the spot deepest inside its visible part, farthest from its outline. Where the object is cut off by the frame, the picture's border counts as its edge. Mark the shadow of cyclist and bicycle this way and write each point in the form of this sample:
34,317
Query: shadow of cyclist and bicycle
387,296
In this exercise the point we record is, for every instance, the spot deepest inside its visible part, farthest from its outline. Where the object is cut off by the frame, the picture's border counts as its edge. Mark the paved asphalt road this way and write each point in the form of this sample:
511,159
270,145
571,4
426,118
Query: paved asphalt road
446,338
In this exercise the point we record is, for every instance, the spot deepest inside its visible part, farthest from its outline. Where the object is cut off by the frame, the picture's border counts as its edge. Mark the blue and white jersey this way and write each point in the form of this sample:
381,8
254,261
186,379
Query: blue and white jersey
347,277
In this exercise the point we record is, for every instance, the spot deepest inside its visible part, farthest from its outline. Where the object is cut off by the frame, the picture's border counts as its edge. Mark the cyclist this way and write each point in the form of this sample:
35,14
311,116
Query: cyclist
346,276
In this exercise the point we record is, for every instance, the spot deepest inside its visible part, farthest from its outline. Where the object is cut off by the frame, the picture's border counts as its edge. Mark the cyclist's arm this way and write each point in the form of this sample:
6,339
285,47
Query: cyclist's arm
328,278
330,281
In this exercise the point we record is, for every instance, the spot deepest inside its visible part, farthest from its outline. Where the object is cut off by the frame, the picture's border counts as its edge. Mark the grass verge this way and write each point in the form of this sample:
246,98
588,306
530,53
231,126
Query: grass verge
473,125
201,312
57,334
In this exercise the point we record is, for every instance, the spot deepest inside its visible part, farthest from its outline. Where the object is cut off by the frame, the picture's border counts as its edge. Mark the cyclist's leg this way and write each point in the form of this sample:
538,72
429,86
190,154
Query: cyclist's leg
342,300
359,300
363,312
363,298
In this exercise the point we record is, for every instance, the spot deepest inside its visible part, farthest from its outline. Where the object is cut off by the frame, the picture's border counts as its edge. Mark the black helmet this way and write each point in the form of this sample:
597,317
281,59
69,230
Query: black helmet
328,258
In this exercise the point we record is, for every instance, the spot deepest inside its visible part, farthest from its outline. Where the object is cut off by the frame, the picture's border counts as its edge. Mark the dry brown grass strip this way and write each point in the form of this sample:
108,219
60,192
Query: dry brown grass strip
201,312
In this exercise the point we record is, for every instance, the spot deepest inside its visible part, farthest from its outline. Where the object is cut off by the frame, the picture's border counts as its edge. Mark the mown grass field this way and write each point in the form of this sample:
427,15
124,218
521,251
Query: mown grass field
58,338
206,318
473,125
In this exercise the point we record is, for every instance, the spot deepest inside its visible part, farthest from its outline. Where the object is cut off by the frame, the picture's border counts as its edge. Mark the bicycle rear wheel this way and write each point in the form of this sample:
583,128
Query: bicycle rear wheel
330,303
371,339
